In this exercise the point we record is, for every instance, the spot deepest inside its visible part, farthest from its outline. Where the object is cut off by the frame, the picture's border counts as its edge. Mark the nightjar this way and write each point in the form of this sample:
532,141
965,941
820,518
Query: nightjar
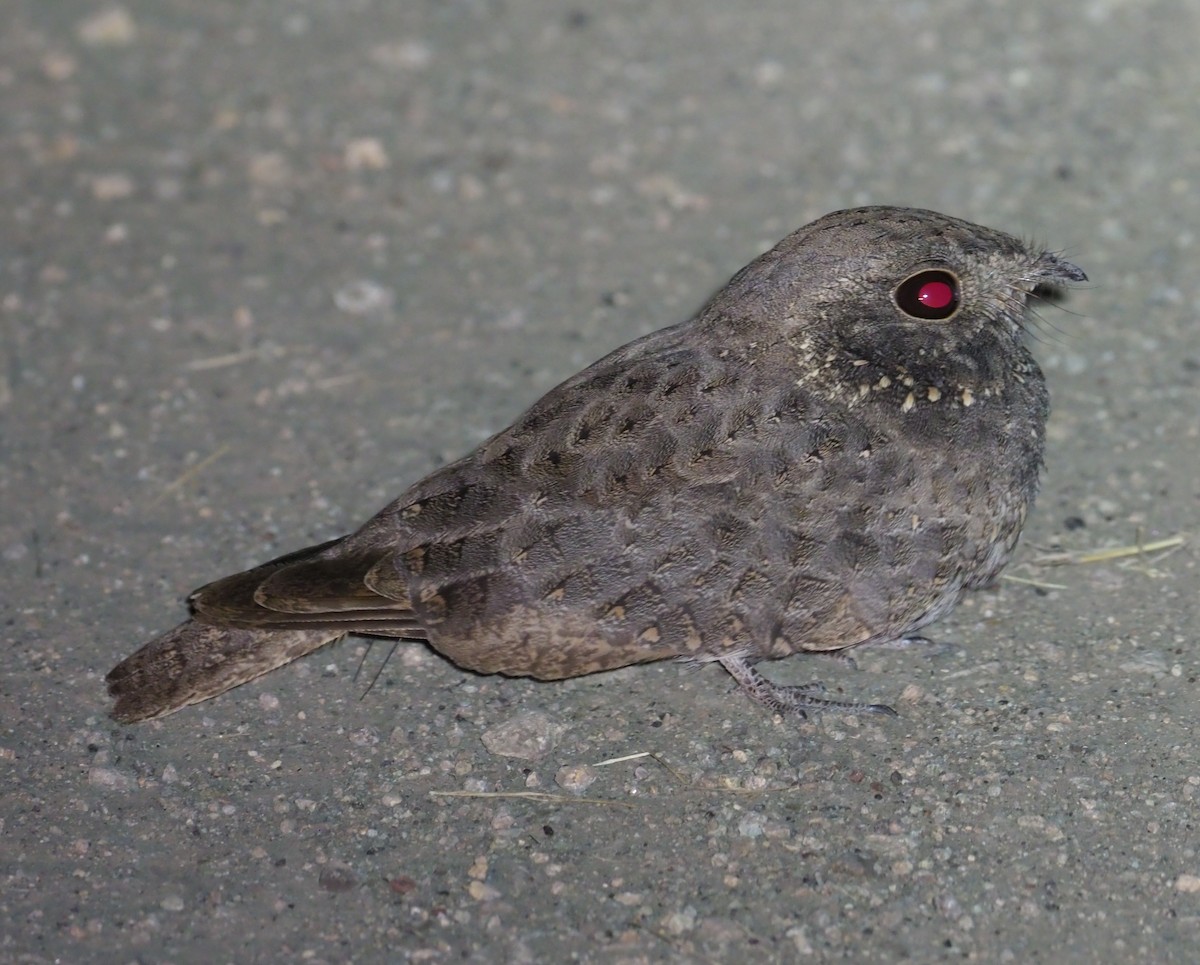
838,445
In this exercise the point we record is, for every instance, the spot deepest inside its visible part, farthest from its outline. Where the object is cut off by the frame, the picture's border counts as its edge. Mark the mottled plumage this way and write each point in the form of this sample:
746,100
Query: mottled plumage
839,444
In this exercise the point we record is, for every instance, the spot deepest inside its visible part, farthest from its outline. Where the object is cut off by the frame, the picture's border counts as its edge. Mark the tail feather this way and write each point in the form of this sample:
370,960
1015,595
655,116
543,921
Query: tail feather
196,661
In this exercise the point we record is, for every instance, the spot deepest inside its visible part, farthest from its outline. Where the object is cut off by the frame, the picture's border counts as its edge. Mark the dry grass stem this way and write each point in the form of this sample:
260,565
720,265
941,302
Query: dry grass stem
532,796
188,474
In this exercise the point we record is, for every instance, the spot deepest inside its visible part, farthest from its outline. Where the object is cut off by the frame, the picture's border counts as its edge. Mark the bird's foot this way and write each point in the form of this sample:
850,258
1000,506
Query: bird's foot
794,700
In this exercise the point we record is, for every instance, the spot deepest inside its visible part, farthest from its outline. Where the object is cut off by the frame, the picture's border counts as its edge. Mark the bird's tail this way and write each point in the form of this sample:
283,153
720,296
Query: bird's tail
196,661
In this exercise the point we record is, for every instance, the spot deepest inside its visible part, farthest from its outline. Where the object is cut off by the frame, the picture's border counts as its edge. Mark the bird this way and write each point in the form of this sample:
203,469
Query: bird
844,440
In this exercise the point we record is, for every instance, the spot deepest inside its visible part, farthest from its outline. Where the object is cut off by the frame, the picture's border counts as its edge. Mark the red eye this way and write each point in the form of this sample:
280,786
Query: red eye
930,295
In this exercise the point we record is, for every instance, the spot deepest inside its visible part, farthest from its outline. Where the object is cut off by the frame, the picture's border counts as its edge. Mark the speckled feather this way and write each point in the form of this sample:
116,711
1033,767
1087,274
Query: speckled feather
802,466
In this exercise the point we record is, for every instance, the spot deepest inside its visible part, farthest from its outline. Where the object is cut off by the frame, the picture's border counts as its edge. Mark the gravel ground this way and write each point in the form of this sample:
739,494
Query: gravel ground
264,264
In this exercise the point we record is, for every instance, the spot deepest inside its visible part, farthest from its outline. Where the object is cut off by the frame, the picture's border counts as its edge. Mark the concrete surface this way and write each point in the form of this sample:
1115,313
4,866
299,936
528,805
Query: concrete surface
264,264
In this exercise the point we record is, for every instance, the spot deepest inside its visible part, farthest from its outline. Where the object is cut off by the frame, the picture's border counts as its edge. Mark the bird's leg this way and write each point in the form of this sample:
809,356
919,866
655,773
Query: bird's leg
793,700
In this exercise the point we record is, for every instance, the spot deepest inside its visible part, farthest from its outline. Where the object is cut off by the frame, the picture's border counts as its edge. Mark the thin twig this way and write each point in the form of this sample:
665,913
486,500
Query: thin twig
221,361
622,760
533,796
1038,583
1121,552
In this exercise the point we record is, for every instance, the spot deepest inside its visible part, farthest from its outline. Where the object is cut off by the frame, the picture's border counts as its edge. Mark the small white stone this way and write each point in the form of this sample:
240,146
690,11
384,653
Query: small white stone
575,778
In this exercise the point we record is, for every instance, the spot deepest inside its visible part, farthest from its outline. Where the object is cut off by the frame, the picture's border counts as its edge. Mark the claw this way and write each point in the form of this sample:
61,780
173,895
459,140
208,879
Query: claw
794,700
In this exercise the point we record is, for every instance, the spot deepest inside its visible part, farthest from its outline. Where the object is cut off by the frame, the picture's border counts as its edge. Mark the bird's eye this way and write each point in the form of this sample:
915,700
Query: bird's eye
930,295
